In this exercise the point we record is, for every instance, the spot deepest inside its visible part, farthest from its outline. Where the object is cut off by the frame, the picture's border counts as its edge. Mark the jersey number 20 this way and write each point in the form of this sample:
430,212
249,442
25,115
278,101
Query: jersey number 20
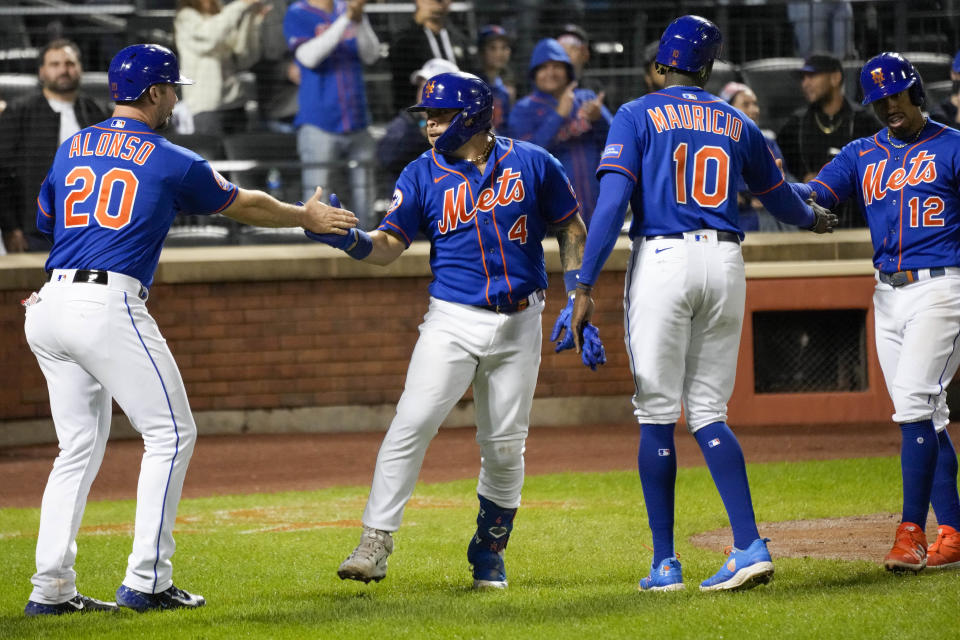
717,194
82,181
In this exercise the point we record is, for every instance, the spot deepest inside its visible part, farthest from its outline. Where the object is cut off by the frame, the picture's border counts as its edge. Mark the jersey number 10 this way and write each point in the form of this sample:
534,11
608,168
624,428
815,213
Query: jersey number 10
82,181
717,194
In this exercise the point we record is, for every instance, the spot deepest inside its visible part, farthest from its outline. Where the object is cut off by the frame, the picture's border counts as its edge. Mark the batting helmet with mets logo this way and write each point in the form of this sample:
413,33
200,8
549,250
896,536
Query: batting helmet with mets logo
134,69
463,91
689,43
888,74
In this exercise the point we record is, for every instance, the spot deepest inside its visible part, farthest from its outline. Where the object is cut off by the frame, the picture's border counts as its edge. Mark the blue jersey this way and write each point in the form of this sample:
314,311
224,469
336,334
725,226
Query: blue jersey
112,193
686,150
576,142
331,95
910,196
485,231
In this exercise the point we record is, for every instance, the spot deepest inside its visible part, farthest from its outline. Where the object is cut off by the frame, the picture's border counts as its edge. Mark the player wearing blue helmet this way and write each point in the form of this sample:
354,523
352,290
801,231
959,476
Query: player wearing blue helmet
677,156
485,204
107,203
904,179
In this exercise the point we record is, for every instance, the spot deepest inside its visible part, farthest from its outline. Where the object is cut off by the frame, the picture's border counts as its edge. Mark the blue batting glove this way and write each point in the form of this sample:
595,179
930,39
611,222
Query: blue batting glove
563,324
593,352
335,201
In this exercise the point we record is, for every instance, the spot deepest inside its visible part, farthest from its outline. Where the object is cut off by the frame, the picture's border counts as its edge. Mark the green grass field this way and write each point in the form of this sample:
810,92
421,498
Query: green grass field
267,563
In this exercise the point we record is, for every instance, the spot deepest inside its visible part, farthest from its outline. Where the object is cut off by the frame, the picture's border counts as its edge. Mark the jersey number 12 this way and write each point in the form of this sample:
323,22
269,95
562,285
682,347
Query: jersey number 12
717,194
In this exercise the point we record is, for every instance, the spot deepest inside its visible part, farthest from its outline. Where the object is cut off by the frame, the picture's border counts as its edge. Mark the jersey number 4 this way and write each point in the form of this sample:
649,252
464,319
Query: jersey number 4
116,186
717,193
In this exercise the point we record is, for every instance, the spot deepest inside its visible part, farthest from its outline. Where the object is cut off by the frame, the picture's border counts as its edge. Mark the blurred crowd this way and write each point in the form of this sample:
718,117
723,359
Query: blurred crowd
299,69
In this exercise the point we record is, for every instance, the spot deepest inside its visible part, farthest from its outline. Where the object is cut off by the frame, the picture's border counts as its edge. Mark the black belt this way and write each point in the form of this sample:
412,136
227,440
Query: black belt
520,305
722,236
900,278
96,276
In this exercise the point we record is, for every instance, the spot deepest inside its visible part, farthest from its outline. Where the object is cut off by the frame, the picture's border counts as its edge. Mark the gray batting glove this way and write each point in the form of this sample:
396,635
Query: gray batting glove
824,221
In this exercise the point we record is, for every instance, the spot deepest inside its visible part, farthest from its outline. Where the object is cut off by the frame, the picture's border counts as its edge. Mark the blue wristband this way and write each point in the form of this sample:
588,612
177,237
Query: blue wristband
363,245
570,280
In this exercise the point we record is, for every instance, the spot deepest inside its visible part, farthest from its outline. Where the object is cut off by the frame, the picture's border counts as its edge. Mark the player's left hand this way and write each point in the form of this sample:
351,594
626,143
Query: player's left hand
562,327
593,353
322,219
582,312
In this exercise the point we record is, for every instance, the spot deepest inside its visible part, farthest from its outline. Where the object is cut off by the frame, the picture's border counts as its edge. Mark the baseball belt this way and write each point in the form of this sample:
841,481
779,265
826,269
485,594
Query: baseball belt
722,236
900,278
520,305
99,276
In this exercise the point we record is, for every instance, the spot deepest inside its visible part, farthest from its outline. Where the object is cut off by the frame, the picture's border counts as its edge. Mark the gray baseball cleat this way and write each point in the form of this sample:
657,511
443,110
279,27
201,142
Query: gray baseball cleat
369,560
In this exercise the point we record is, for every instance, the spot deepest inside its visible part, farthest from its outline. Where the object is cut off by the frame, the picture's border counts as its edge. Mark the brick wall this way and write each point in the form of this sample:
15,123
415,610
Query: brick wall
307,343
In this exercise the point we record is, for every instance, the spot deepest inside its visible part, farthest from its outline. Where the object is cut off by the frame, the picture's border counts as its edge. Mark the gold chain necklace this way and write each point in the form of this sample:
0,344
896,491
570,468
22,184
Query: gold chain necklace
911,140
827,129
482,156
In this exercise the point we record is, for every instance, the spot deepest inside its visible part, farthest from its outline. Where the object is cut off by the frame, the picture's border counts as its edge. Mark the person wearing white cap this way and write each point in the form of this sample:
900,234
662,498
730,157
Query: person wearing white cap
405,137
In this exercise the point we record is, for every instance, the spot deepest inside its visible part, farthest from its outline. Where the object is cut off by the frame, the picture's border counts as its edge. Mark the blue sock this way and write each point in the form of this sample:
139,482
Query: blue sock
918,461
494,524
657,463
724,458
944,498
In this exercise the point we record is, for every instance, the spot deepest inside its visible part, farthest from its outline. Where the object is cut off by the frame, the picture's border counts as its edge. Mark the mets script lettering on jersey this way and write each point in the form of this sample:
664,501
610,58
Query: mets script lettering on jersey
696,117
509,189
922,169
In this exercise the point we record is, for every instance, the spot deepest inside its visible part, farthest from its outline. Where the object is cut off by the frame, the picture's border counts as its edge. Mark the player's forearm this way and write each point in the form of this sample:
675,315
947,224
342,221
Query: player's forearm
263,210
784,203
572,237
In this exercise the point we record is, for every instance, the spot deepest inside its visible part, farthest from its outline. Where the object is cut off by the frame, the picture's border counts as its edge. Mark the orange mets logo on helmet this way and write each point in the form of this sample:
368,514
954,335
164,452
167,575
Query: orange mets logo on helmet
427,90
877,76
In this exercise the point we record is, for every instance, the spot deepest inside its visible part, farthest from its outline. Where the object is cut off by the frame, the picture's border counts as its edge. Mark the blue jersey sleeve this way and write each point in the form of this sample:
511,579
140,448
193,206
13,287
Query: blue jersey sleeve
203,190
296,29
557,199
46,212
624,149
615,190
837,180
404,216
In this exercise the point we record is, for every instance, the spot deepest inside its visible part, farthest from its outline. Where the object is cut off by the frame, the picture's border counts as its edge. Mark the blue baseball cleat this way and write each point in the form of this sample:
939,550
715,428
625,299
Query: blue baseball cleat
172,598
744,569
77,604
666,576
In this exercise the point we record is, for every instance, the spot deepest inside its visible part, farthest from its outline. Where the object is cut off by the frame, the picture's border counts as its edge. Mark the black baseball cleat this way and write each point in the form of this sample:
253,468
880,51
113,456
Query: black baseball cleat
77,604
172,598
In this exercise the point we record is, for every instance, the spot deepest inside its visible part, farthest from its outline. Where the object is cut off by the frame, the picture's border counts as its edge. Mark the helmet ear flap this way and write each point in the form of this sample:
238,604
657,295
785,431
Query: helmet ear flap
917,95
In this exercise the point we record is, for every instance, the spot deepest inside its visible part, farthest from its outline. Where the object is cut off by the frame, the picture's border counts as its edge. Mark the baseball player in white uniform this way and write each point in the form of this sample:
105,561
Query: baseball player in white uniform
107,204
485,203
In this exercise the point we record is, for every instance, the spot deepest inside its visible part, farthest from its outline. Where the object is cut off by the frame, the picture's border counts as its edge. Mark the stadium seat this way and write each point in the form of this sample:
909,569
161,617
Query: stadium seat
199,231
16,85
208,146
777,85
937,92
260,152
932,67
851,80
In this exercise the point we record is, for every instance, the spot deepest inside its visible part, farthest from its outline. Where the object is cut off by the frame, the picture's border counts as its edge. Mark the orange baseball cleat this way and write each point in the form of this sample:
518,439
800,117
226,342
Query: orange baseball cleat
945,552
909,551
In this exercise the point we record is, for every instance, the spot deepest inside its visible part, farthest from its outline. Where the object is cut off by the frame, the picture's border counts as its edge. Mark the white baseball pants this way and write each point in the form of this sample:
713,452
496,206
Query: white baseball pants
459,346
94,342
683,312
918,344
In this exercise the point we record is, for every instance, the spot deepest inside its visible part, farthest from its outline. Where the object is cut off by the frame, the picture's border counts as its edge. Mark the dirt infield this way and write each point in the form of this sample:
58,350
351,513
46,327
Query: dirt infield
296,462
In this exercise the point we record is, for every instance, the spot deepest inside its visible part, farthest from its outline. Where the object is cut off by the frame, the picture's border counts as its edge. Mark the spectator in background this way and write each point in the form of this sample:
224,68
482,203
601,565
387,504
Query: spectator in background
651,77
574,40
406,135
948,111
214,43
31,130
430,36
814,134
753,217
331,41
568,122
493,49
822,26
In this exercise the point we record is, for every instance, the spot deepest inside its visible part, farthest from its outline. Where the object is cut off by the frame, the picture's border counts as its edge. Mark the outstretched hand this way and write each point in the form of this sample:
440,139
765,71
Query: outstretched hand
824,221
321,219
